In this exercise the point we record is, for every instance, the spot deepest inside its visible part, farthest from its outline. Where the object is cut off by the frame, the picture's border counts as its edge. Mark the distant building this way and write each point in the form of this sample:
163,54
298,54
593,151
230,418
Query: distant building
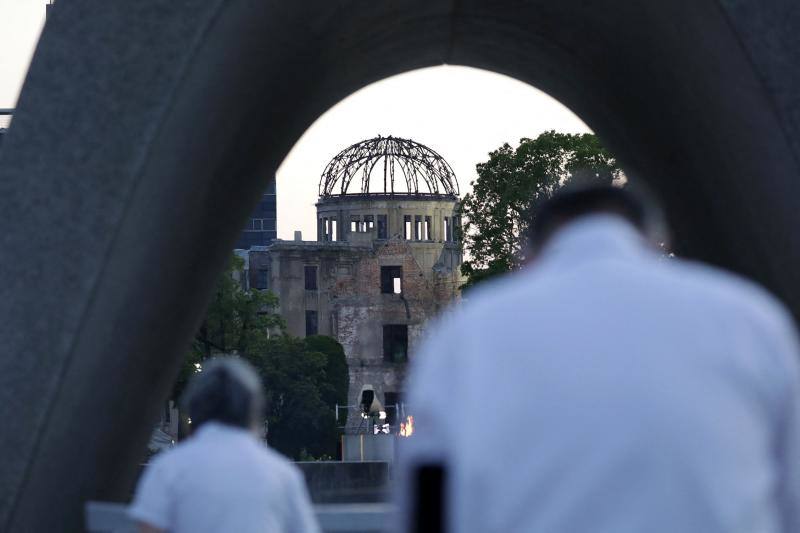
3,128
5,122
262,227
385,261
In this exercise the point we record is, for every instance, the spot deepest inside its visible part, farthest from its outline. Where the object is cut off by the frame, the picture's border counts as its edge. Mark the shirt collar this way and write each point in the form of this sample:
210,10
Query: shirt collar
593,236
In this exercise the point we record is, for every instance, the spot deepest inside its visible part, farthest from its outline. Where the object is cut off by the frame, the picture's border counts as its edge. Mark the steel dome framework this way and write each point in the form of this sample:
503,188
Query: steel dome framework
405,166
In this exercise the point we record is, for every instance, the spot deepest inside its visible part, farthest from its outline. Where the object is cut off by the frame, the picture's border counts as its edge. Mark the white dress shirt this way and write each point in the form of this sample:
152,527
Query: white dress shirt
607,389
222,479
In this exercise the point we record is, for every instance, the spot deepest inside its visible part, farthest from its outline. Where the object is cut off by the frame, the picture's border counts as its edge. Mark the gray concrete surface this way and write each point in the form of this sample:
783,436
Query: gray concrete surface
334,482
106,517
145,132
369,447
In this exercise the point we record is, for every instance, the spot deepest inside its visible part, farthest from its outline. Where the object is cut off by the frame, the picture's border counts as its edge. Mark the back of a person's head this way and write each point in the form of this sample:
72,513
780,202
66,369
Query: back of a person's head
573,203
226,390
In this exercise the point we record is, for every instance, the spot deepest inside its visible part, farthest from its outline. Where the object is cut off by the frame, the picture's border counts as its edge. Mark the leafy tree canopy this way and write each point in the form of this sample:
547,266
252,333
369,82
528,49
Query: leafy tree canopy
510,186
300,396
303,378
236,321
336,370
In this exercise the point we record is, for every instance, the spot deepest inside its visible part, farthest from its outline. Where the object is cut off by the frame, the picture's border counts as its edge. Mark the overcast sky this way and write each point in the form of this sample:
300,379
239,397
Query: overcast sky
462,113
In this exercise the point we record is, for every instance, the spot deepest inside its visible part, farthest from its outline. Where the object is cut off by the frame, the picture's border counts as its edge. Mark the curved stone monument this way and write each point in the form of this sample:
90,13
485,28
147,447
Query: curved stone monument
144,132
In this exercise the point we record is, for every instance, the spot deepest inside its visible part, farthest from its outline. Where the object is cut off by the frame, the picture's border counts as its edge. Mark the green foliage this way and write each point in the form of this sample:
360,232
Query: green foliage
510,186
338,376
301,416
303,378
236,321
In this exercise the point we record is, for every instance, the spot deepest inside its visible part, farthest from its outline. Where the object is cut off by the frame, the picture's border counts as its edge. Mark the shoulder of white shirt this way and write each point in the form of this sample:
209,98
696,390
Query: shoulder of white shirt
723,284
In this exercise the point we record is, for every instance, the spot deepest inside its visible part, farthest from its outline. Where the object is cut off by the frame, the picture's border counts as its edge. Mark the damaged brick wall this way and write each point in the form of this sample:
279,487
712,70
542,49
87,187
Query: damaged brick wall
348,302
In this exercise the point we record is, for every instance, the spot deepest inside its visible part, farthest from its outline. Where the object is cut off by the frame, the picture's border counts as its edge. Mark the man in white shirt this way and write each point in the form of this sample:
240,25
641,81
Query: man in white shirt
607,389
223,479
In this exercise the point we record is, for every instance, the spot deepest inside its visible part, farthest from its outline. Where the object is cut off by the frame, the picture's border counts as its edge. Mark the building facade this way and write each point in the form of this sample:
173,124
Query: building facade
261,229
384,264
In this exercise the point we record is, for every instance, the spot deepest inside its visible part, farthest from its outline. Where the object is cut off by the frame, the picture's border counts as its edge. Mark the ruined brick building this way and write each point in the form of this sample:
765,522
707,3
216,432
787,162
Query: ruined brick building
385,262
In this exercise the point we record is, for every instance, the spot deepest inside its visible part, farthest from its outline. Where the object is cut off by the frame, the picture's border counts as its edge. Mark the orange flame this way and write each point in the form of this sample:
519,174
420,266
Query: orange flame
407,428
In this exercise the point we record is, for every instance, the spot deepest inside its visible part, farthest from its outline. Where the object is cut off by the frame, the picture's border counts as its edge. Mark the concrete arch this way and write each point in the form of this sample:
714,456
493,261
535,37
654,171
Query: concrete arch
143,134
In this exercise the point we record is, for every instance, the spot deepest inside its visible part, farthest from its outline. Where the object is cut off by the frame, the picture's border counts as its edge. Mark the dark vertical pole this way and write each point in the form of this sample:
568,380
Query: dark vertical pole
430,508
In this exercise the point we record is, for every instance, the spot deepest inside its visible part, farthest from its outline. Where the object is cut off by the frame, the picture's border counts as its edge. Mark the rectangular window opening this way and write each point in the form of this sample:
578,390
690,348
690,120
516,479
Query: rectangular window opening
311,323
323,229
311,277
383,232
391,401
262,279
391,279
427,232
417,227
334,230
395,343
448,230
407,227
369,222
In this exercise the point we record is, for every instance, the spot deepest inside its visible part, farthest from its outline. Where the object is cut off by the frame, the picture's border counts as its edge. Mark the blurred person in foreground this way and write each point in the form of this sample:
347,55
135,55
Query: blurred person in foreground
606,389
222,478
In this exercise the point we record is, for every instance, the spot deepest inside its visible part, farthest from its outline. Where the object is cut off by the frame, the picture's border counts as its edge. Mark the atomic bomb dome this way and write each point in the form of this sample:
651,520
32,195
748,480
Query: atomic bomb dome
390,166
389,187
386,261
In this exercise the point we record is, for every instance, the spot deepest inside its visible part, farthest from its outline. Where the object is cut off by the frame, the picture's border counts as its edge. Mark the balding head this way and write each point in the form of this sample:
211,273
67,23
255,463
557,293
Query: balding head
573,203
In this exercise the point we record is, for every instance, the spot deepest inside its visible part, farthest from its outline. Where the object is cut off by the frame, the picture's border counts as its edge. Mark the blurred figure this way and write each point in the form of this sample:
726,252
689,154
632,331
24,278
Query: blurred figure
222,478
606,388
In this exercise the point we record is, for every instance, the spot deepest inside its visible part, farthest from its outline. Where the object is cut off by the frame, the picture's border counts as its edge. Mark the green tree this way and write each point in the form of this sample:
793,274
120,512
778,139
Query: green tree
512,184
303,378
336,372
300,396
237,321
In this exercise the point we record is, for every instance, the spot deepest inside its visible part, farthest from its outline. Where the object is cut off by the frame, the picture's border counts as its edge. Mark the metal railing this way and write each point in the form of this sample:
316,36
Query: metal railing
353,415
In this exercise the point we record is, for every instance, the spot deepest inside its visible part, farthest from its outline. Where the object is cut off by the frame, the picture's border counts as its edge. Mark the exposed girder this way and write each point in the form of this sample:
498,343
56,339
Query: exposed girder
423,171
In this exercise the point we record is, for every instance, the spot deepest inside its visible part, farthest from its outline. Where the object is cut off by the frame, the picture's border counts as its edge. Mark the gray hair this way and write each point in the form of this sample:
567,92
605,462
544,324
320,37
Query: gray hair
226,390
